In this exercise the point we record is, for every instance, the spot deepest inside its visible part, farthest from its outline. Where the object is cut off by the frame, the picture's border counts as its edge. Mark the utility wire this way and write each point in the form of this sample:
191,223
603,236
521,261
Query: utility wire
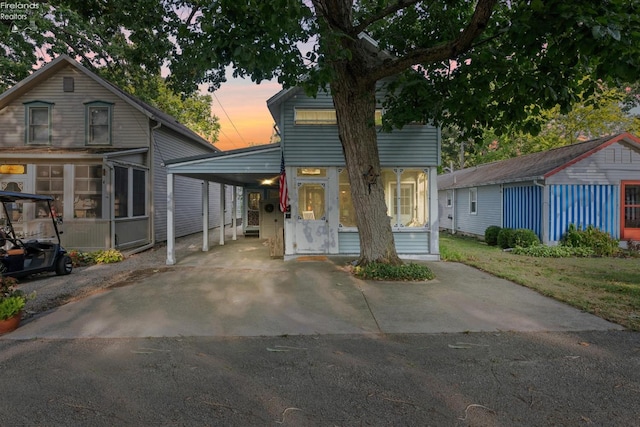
229,118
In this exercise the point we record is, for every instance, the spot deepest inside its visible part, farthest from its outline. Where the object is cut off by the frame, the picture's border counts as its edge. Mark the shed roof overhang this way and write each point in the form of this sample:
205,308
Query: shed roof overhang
244,167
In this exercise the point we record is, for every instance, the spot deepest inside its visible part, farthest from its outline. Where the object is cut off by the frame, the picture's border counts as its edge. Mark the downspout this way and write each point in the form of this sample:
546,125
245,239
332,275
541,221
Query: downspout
453,211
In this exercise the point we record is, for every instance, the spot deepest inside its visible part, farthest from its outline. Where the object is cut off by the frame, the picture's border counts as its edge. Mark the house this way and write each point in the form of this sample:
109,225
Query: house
594,183
321,219
67,133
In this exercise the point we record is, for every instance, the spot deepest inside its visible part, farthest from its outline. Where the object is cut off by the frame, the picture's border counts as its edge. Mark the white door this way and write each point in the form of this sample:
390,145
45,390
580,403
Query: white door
312,225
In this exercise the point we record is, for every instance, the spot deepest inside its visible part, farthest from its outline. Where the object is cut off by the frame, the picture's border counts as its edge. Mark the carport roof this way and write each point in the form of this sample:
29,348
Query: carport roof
243,167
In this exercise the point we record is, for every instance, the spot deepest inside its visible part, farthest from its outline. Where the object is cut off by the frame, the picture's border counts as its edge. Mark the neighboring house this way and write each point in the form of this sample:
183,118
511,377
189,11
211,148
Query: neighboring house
322,219
100,153
595,183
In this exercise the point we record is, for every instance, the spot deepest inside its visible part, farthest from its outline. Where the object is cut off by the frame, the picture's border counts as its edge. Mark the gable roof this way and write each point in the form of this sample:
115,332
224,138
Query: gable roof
63,61
536,166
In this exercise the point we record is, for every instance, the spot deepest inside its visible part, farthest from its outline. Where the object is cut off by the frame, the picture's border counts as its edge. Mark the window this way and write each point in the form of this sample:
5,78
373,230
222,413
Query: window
409,201
449,198
130,192
50,182
473,201
139,185
98,123
121,192
311,200
406,196
306,116
87,196
315,117
38,122
347,211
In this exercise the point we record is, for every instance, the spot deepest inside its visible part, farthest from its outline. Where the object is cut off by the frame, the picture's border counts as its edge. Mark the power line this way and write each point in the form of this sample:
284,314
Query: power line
229,118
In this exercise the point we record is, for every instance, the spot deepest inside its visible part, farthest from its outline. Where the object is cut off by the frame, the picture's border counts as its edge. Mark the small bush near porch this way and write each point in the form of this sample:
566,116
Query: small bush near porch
608,287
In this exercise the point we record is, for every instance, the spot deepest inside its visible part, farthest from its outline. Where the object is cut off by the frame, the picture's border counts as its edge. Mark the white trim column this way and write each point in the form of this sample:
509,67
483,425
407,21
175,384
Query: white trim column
434,220
222,201
171,232
205,216
234,209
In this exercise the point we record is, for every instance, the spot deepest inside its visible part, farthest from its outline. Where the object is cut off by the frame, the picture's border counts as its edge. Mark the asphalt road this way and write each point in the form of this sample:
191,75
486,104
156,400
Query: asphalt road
473,379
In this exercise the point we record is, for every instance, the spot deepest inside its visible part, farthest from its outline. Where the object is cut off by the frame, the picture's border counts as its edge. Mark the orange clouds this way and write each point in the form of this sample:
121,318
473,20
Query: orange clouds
241,107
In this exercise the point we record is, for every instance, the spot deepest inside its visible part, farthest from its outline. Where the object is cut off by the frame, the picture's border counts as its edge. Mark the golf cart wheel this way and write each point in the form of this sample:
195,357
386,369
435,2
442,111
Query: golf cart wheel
64,265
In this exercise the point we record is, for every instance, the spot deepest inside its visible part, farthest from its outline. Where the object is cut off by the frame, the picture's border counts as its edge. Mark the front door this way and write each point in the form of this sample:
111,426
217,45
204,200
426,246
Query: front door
312,225
630,221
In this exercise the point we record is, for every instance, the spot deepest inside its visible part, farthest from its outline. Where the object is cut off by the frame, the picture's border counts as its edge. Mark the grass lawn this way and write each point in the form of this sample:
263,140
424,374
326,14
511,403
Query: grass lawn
606,287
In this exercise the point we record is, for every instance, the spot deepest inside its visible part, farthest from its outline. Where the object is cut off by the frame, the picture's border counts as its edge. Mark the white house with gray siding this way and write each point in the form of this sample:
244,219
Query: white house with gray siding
321,218
594,183
101,154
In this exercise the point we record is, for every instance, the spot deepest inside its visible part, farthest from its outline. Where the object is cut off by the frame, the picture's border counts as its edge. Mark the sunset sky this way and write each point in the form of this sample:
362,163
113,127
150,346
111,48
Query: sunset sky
245,104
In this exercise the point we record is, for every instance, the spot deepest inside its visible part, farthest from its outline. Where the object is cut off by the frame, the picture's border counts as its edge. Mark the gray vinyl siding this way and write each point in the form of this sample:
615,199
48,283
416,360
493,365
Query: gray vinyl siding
489,210
606,167
319,145
129,126
407,243
188,192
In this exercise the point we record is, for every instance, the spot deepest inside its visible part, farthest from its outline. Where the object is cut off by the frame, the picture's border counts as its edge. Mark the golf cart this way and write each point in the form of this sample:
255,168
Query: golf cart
30,246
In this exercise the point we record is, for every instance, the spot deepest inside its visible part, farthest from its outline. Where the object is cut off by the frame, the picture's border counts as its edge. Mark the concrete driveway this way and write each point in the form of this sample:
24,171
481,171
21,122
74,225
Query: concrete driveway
238,290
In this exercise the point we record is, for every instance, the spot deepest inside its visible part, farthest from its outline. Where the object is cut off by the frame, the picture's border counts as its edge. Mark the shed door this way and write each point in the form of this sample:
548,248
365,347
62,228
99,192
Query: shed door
312,228
630,220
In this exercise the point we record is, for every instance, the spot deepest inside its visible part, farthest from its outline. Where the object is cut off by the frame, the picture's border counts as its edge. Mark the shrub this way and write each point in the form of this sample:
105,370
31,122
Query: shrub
491,235
108,256
81,259
553,251
381,271
505,238
524,238
599,241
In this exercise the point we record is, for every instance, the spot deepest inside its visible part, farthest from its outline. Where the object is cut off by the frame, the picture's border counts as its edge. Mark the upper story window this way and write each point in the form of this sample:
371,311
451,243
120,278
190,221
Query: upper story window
38,122
323,116
98,123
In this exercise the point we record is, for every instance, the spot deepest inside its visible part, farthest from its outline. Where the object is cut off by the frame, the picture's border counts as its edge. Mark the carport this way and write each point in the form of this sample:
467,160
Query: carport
245,167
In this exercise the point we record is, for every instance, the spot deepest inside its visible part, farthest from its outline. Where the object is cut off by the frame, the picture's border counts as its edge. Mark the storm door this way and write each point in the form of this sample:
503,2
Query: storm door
312,225
630,221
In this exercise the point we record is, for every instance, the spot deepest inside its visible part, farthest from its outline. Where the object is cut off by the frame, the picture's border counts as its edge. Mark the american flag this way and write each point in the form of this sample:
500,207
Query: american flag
284,193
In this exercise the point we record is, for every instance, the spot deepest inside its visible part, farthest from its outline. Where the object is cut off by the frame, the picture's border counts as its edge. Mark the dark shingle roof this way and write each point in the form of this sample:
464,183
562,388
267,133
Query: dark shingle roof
527,168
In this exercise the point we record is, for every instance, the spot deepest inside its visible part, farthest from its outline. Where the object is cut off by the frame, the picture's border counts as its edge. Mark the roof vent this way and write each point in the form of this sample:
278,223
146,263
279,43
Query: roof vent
67,84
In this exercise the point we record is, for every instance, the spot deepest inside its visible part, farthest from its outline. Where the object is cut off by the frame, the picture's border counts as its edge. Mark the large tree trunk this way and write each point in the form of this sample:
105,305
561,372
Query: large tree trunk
355,109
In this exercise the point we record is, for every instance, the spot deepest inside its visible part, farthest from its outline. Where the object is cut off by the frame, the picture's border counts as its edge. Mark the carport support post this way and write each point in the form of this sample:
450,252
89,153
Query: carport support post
205,216
171,232
234,210
222,200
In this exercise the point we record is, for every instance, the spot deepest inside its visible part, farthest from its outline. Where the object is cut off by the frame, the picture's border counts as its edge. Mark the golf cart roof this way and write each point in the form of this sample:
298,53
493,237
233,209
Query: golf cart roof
13,196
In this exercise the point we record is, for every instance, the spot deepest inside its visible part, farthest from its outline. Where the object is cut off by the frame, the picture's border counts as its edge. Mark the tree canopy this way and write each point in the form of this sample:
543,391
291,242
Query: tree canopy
606,112
473,64
127,43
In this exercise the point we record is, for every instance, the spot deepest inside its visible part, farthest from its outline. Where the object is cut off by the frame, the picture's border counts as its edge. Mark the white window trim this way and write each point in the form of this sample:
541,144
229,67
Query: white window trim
87,115
473,198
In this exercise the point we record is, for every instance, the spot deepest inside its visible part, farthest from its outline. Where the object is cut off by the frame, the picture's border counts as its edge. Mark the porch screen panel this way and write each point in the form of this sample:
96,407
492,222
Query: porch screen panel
121,183
522,208
583,205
